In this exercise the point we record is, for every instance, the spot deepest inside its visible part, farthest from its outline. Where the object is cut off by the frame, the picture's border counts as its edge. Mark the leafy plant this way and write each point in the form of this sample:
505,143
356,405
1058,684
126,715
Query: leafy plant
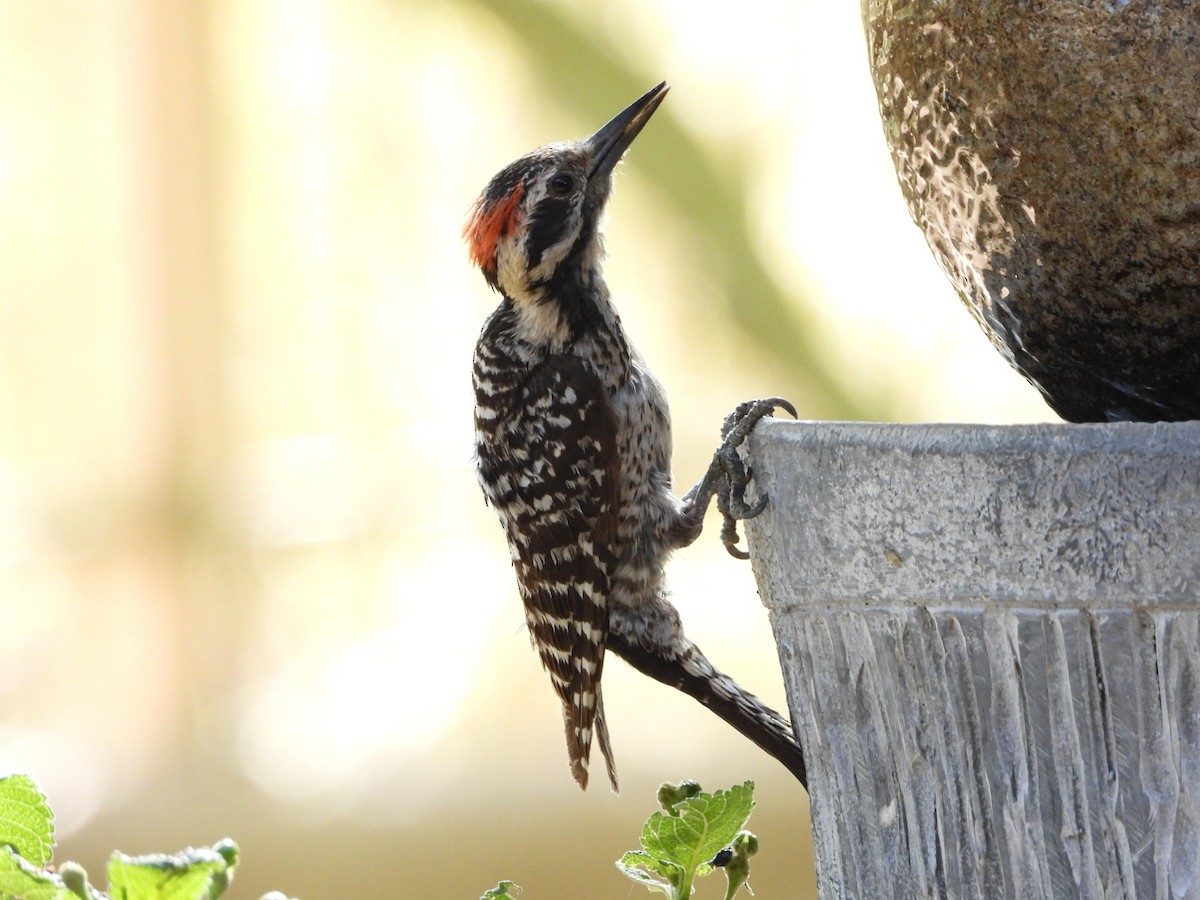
501,891
27,843
693,834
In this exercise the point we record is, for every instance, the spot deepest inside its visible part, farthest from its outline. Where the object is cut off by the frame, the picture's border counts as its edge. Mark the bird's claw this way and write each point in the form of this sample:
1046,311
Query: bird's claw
739,423
730,538
734,474
728,477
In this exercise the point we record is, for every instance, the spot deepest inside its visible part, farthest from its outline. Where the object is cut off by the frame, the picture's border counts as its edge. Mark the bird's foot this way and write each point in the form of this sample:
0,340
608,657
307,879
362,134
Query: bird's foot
739,423
728,477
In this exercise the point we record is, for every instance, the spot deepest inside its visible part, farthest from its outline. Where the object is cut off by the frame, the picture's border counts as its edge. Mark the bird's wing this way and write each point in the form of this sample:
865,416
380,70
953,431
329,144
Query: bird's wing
561,522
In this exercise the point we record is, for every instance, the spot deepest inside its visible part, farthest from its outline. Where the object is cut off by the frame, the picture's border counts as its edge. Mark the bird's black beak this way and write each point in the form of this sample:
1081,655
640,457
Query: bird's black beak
609,144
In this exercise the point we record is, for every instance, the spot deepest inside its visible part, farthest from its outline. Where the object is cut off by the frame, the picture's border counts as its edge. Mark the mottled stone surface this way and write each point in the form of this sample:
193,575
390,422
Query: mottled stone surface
990,638
1050,151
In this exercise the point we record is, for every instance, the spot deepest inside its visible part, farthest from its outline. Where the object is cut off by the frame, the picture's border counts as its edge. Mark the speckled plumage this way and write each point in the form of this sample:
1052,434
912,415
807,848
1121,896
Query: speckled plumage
573,443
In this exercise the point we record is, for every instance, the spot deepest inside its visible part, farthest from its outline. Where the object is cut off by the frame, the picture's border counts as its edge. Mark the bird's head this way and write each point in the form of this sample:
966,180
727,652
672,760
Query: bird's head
539,216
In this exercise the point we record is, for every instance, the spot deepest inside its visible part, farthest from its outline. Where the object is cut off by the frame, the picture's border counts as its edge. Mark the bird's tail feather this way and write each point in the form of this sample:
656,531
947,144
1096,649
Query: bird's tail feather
579,743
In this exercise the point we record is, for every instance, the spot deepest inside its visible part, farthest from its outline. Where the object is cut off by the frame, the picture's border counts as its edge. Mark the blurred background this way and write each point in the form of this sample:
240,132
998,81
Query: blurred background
248,584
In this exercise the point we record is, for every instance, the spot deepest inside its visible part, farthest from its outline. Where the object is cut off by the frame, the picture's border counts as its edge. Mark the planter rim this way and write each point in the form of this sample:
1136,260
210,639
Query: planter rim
1117,435
1071,516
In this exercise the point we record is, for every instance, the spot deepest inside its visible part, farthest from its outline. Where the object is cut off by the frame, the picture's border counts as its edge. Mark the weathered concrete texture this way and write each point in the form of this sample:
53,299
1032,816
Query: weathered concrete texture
991,641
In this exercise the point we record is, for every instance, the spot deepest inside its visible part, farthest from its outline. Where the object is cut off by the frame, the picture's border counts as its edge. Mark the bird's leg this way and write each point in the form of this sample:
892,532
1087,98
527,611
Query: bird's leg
727,477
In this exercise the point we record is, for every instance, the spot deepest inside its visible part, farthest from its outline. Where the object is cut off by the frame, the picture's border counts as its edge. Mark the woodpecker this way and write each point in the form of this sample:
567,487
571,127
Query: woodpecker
573,448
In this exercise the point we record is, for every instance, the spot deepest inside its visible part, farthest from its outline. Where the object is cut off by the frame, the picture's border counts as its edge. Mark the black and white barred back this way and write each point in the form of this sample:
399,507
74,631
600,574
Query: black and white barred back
573,444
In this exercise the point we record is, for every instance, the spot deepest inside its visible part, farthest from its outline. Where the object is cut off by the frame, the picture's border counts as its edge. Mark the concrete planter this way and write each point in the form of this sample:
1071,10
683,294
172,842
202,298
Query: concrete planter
991,643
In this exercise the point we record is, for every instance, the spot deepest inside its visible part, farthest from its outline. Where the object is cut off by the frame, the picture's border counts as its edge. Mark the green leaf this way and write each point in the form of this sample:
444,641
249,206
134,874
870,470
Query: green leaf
23,880
642,867
501,891
671,795
679,842
698,827
189,875
228,851
26,823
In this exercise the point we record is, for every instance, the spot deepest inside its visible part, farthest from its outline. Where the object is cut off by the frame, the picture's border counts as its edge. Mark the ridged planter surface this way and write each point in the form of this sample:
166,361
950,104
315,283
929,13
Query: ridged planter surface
1050,152
991,643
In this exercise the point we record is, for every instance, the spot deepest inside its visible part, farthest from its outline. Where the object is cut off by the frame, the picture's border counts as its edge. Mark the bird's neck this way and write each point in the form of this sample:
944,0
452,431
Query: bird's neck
574,314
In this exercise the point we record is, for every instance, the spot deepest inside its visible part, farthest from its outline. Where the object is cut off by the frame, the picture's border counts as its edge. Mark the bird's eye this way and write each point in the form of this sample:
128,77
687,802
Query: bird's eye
561,185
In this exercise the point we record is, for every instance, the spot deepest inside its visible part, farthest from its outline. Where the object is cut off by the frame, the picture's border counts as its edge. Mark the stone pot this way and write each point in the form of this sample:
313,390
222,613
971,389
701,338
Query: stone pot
990,637
1050,151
